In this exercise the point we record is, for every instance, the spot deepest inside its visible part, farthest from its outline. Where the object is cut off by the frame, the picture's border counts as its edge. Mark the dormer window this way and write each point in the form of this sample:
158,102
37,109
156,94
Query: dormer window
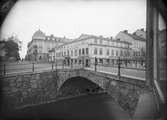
125,31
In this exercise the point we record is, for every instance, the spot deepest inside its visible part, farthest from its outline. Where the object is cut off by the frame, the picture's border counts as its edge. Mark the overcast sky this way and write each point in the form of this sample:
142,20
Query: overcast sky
71,18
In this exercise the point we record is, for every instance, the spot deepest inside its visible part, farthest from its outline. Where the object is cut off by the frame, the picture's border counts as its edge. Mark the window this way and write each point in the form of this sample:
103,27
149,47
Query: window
87,51
83,51
75,52
40,51
95,41
68,52
101,41
125,53
75,61
101,51
121,54
71,52
112,52
139,53
95,51
108,42
156,63
108,52
100,60
116,52
79,52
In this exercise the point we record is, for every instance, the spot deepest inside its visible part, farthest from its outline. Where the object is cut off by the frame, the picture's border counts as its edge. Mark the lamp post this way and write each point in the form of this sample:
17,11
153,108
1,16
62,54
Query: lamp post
119,66
95,64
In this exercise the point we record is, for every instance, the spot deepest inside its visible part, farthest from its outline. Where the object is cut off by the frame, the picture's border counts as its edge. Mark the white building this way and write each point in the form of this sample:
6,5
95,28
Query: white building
40,45
85,48
141,33
137,40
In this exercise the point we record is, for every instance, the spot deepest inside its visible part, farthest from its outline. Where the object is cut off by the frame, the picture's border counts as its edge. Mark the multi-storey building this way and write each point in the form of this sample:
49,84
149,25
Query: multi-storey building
137,40
141,33
40,45
85,48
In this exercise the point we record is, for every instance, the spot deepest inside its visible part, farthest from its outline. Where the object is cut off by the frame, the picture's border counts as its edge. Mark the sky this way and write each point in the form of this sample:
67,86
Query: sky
71,18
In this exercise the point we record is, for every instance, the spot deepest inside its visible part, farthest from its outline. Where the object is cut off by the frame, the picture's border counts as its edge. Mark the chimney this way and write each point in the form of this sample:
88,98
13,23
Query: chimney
142,29
134,33
125,31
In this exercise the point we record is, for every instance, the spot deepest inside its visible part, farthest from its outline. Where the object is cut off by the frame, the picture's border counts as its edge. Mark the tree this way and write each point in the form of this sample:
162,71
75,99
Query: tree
12,49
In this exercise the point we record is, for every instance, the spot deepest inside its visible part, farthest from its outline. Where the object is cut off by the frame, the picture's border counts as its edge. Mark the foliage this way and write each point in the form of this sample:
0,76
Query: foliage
12,50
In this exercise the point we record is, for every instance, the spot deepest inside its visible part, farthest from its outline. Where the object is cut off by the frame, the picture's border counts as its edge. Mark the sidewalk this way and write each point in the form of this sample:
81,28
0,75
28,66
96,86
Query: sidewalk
115,73
146,108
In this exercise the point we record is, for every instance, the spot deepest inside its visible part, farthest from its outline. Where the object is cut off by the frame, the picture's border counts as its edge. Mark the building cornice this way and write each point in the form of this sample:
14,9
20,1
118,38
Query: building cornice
108,46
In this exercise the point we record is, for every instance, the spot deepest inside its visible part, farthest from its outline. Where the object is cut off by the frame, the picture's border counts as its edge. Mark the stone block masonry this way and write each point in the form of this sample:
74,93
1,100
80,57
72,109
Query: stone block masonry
29,88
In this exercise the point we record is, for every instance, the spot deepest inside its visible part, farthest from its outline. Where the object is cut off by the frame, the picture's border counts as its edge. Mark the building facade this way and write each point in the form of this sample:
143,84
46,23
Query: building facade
137,40
84,49
41,44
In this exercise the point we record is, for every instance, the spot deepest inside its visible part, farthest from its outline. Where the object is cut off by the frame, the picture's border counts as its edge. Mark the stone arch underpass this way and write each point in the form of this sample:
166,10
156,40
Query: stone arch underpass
78,85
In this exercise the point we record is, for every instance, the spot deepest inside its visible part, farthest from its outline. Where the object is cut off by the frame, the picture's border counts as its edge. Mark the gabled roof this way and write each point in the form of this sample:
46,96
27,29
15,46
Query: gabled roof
87,36
135,37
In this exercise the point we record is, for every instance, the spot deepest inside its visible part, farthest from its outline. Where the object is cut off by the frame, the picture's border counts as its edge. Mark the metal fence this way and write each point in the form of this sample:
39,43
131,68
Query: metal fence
22,67
94,64
121,63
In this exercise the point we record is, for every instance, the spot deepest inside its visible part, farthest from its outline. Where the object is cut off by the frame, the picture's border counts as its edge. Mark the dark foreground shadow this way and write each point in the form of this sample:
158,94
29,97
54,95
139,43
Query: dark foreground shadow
88,107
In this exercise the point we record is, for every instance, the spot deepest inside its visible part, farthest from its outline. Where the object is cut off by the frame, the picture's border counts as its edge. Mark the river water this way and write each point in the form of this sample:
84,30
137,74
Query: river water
100,106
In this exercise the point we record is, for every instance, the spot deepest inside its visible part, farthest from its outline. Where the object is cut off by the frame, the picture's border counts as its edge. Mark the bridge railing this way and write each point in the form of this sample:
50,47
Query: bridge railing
119,66
26,67
113,66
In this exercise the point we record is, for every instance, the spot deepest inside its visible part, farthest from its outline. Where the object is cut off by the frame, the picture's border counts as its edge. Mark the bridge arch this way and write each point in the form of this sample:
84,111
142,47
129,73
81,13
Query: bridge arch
78,85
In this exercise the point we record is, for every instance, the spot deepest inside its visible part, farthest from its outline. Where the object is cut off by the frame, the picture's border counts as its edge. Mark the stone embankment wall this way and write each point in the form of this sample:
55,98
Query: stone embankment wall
37,88
29,88
125,94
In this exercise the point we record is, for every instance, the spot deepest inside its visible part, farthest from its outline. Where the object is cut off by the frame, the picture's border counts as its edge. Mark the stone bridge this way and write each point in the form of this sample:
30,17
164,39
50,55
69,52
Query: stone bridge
38,88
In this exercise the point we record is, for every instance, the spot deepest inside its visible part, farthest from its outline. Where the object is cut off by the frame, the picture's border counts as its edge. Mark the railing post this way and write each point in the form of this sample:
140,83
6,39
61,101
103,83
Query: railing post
119,66
71,65
56,64
95,64
52,65
63,63
82,62
33,67
4,69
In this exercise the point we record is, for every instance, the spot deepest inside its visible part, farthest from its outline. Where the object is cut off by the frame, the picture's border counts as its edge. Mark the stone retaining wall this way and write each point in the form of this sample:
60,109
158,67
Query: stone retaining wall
29,88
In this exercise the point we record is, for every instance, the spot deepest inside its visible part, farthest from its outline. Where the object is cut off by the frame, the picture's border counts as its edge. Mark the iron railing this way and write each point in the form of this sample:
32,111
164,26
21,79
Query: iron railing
119,64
